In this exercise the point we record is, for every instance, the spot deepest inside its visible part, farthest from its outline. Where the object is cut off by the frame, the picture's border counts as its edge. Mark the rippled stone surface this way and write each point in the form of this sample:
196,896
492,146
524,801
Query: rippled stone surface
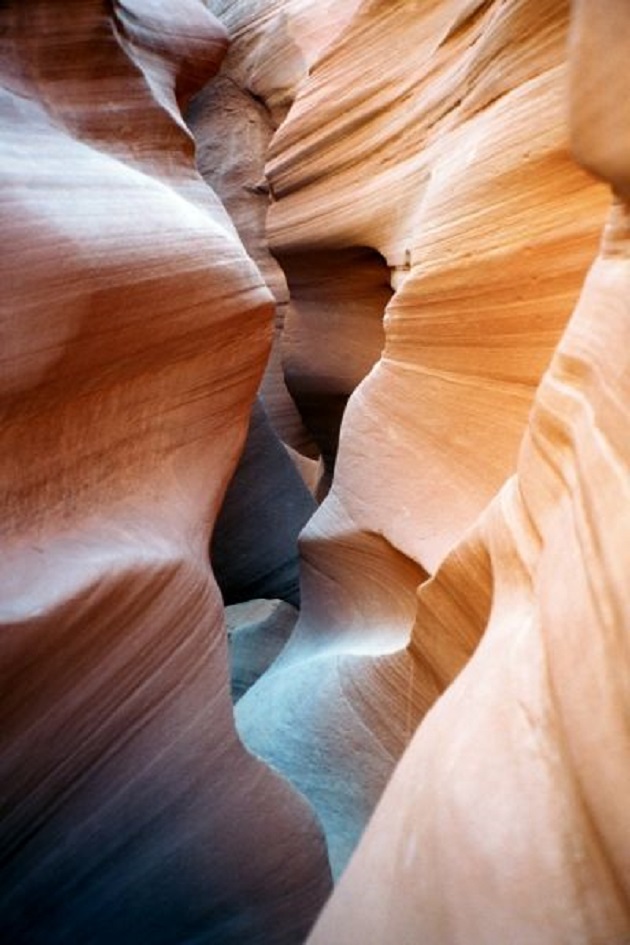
454,329
132,812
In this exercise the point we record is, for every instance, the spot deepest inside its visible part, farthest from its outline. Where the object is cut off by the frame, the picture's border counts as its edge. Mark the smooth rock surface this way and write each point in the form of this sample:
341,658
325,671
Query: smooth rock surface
457,679
257,632
132,813
506,818
440,142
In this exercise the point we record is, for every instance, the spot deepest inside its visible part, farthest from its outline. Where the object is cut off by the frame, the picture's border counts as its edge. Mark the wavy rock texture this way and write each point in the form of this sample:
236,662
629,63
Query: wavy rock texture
254,550
506,818
232,130
132,812
436,143
467,569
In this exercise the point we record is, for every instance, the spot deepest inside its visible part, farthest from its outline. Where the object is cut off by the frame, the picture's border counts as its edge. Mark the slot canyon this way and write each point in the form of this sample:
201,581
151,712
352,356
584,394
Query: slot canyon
315,464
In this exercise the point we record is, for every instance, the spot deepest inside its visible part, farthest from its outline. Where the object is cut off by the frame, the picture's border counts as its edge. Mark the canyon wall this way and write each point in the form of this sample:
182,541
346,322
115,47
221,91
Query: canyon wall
438,144
414,194
131,811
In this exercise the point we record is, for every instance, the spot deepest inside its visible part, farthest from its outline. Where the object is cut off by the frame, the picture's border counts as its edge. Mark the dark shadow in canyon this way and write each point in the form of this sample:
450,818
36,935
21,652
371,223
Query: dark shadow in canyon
333,336
254,545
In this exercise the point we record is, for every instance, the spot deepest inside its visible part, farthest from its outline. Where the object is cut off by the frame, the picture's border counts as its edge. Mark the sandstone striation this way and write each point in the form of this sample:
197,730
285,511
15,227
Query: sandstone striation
402,288
438,142
132,811
505,820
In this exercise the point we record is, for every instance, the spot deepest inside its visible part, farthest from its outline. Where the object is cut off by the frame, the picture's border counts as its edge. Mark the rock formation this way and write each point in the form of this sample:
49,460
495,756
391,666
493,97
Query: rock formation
418,191
450,160
131,811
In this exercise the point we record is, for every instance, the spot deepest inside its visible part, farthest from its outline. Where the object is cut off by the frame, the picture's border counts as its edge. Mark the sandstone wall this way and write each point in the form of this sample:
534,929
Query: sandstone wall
418,190
131,811
438,140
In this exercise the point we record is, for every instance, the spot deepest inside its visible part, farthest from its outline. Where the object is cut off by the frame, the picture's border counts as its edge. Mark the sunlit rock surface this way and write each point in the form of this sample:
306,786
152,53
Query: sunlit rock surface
438,143
433,180
506,819
131,812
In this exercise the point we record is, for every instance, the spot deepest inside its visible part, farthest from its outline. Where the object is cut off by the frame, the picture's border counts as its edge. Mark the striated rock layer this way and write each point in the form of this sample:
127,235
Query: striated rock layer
457,674
132,812
438,144
506,819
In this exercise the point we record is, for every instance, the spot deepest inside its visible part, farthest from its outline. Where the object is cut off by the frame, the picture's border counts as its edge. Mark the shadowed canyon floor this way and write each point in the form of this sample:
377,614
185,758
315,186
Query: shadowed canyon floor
315,464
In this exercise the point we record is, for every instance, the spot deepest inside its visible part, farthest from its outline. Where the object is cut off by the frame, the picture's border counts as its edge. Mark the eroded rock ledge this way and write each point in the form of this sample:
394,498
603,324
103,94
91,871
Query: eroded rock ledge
416,193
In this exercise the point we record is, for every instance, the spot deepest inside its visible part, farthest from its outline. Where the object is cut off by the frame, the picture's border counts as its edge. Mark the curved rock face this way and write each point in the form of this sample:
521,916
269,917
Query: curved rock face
447,154
132,811
506,820
457,674
232,130
333,335
254,550
452,162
